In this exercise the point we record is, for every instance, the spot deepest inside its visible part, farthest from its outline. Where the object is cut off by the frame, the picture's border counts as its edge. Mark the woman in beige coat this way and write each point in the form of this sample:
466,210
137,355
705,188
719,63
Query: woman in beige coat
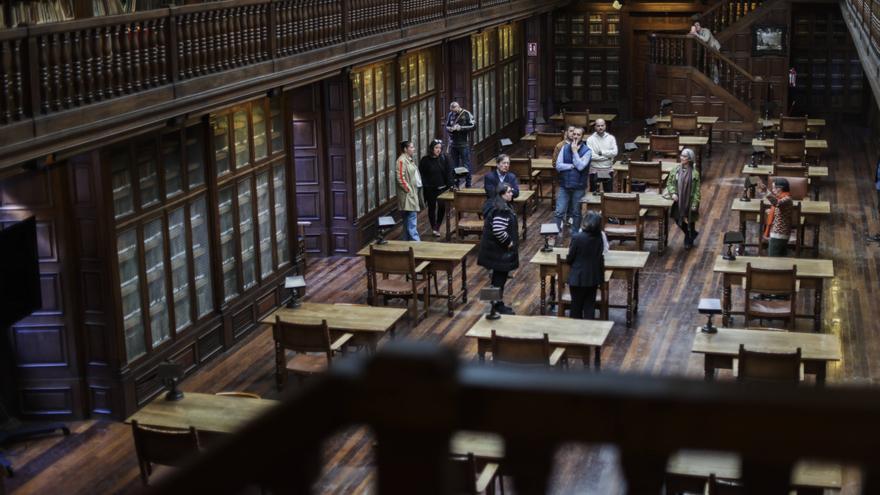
409,190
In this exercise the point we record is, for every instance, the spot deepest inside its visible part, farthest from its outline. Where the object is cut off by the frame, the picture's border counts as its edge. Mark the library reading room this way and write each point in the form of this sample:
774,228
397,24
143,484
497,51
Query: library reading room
599,247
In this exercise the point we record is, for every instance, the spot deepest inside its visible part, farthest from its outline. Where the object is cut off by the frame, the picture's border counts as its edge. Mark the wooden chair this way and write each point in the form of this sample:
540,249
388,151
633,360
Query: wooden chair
577,119
466,479
664,146
522,169
651,173
401,277
564,294
792,127
624,207
718,487
758,366
545,143
799,187
525,351
468,212
312,344
684,124
774,283
789,151
163,446
795,241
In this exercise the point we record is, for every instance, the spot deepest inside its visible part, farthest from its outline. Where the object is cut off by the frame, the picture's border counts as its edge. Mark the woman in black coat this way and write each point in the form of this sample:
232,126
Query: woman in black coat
587,259
499,245
436,177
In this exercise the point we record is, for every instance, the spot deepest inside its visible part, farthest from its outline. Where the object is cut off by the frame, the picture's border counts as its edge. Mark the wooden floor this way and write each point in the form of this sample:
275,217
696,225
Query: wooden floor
99,456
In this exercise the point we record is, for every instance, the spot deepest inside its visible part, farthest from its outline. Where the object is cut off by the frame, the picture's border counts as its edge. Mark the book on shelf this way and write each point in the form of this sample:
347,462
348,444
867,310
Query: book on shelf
40,12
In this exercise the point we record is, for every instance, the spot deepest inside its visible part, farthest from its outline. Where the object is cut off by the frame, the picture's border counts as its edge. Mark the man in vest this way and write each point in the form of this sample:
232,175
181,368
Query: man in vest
572,167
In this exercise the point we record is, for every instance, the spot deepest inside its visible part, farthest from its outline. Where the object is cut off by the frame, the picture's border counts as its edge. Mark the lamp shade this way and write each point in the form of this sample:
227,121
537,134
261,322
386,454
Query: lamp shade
386,221
294,282
549,229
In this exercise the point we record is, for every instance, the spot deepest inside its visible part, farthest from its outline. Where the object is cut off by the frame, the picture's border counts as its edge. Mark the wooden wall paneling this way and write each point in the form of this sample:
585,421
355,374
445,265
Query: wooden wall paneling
45,344
100,348
339,169
636,28
304,107
460,76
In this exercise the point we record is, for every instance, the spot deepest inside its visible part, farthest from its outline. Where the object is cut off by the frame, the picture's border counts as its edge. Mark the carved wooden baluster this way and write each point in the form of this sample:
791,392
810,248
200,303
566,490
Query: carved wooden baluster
300,25
45,74
226,38
238,36
318,26
280,28
161,62
146,43
186,42
201,23
65,69
250,44
6,82
18,81
96,46
263,26
134,36
305,24
118,59
193,39
127,39
79,62
209,23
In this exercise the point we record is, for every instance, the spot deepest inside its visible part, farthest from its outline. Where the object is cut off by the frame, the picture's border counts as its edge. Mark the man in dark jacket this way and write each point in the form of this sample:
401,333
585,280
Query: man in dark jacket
572,167
499,245
500,175
459,124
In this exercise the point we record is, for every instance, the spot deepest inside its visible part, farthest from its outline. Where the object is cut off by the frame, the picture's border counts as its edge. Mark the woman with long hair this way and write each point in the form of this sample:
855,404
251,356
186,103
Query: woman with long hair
499,245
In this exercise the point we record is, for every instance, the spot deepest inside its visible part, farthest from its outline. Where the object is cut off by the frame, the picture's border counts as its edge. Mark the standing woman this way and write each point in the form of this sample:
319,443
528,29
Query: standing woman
409,191
437,176
499,245
586,255
683,186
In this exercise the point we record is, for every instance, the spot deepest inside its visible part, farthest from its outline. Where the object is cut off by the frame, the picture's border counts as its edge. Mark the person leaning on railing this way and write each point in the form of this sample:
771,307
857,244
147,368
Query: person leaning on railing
705,35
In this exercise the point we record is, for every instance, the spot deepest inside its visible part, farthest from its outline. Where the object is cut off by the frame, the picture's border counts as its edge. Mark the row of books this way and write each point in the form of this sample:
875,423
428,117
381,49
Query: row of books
39,12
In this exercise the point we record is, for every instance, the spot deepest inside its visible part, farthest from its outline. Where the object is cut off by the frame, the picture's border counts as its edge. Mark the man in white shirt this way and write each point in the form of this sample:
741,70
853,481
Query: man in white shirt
604,150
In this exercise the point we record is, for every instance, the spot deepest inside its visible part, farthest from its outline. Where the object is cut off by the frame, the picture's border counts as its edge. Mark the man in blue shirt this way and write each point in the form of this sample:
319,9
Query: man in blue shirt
501,175
572,168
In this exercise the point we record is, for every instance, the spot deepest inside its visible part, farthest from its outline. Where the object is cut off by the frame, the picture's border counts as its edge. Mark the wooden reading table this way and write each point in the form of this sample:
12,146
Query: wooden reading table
811,273
689,470
721,348
367,323
557,119
648,201
523,200
621,172
206,412
577,336
812,212
444,256
814,174
697,142
704,121
625,264
811,144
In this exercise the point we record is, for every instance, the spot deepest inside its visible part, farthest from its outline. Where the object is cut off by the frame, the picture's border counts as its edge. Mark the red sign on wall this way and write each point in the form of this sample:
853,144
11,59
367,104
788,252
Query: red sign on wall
532,49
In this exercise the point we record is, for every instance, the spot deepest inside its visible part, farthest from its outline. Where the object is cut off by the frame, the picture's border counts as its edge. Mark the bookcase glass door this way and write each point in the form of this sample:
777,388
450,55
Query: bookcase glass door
198,215
154,270
264,223
246,232
180,264
280,197
227,243
130,295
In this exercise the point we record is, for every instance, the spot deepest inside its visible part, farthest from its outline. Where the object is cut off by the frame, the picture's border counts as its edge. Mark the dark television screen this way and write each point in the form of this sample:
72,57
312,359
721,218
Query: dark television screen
19,272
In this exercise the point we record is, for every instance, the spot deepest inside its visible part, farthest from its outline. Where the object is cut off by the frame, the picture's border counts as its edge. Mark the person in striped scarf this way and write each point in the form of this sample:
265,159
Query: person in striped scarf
499,245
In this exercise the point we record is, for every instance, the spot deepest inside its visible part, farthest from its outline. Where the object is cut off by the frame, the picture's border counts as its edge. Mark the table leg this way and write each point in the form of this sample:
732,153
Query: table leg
817,307
450,298
708,368
742,230
664,230
629,301
816,239
543,302
370,298
636,292
598,360
525,216
821,372
448,221
553,290
463,280
725,301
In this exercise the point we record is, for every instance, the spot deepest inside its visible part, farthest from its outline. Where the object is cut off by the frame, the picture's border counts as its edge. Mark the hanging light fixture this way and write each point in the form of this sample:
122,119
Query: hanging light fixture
618,4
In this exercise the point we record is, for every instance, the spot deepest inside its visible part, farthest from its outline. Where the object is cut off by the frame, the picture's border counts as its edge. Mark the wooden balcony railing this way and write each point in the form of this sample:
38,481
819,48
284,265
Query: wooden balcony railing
866,14
688,51
51,68
414,397
726,12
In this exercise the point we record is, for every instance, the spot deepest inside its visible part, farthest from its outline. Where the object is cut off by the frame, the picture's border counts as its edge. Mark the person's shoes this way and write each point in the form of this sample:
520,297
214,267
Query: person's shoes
506,310
436,233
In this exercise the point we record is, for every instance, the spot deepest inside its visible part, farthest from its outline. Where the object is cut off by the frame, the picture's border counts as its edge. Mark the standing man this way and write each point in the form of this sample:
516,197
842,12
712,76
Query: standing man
459,124
604,150
565,140
572,167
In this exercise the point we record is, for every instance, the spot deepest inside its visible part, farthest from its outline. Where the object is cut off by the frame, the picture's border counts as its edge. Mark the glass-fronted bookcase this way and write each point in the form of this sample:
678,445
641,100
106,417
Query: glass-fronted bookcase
586,60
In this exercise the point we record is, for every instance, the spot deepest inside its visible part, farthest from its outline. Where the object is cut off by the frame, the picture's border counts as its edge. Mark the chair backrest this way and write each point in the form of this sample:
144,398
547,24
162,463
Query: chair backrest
795,127
789,150
392,260
165,446
520,350
300,337
722,487
521,168
468,202
771,282
683,123
667,145
577,119
545,142
758,366
799,187
621,205
462,474
650,173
